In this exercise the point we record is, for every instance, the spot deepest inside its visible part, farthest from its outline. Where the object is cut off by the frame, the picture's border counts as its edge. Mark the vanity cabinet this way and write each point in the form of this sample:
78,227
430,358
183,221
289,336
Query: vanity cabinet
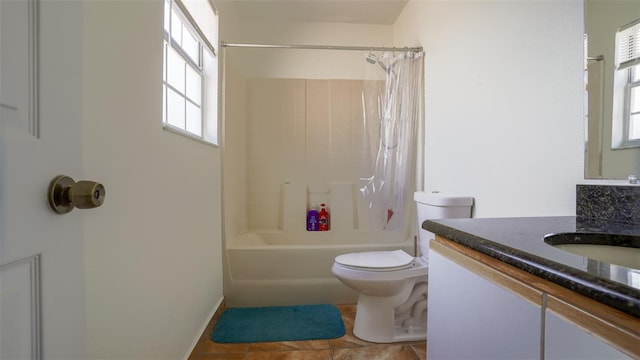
470,317
564,340
480,307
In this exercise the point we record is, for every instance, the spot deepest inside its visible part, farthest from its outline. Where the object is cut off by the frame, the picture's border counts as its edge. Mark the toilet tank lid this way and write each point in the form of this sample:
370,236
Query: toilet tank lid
437,198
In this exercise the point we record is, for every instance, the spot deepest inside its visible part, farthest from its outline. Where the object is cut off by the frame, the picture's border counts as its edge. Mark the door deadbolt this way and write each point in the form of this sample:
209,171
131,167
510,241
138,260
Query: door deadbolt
65,194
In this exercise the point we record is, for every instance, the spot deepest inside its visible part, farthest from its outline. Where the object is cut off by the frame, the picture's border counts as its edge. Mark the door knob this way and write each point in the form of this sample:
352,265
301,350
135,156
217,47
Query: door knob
65,194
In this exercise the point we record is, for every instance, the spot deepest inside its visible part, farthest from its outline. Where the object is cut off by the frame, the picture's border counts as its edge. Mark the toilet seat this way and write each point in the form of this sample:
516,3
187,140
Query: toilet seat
376,260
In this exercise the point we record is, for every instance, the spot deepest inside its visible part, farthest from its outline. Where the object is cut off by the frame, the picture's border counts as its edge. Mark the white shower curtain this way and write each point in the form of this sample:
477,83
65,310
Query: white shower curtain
392,102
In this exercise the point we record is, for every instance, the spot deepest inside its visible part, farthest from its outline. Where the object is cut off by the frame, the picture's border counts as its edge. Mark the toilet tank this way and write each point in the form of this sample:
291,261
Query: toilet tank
437,205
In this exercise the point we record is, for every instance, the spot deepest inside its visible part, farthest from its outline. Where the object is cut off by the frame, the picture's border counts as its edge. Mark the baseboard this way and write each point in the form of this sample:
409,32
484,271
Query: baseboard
207,326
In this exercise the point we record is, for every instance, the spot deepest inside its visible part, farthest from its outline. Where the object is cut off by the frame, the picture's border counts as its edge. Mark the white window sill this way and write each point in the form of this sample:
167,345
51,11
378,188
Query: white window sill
188,135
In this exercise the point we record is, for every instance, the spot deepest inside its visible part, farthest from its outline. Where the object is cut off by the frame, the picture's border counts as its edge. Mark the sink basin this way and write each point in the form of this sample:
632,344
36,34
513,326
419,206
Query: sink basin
623,250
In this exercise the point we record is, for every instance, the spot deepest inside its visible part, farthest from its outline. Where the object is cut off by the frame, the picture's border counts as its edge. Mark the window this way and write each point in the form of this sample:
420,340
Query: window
626,92
190,70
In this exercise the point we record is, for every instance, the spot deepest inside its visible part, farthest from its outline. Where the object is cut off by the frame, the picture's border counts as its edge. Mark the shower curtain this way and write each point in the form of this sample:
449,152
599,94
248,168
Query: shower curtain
392,103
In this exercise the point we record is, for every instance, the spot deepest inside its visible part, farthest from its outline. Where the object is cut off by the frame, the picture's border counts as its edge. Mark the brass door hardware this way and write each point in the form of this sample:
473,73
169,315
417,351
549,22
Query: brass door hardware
65,194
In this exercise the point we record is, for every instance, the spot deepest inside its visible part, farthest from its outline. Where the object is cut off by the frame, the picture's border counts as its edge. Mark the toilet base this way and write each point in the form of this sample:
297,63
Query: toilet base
393,319
399,335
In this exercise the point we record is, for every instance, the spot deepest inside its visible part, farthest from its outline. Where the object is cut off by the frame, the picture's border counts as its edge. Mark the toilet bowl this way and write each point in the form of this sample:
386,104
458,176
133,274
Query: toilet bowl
392,285
392,299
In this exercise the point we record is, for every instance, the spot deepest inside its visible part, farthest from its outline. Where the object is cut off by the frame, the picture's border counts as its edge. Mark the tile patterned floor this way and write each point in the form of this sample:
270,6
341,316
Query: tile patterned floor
347,347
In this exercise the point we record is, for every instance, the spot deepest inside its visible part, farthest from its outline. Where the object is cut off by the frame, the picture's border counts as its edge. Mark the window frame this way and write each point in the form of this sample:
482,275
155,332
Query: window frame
628,113
208,118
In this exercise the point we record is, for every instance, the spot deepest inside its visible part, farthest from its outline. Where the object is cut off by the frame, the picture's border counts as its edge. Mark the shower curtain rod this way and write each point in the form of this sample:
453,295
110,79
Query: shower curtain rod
322,47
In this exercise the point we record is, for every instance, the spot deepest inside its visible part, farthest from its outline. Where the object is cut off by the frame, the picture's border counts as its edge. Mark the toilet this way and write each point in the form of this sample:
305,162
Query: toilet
392,285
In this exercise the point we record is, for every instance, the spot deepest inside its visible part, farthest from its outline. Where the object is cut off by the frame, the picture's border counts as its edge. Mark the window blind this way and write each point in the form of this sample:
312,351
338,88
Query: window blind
628,45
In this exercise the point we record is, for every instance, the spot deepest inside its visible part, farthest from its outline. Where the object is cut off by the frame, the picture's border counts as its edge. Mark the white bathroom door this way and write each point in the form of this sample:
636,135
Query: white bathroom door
42,304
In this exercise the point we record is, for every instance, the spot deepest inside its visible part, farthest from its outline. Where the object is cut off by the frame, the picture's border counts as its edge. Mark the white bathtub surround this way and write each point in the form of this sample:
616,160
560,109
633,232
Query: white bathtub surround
344,212
342,205
303,135
280,268
293,214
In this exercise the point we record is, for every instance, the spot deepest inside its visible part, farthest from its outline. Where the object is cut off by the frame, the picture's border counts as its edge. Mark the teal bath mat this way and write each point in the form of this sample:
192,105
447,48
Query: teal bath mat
278,323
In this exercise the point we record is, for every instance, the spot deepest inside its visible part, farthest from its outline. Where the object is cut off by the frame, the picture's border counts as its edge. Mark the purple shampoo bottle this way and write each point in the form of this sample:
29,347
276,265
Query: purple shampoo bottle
312,219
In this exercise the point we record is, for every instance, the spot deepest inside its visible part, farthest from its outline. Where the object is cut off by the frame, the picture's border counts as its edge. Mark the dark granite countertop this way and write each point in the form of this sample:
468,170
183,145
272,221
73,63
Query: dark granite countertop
520,242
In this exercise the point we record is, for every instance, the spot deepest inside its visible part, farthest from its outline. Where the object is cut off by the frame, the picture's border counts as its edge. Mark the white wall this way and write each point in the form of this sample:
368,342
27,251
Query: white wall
503,101
153,250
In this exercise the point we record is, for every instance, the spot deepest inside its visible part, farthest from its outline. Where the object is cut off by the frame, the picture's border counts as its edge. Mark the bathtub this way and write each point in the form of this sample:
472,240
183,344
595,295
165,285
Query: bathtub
269,268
